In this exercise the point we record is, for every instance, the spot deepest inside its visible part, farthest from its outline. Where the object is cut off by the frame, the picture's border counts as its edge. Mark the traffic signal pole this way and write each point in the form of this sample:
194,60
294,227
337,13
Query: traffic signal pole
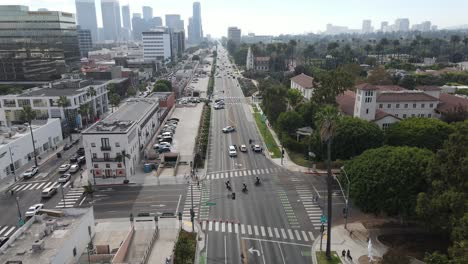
192,212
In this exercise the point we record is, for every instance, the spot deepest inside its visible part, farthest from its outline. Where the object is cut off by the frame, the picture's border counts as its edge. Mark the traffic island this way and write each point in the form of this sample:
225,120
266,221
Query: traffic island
185,247
322,258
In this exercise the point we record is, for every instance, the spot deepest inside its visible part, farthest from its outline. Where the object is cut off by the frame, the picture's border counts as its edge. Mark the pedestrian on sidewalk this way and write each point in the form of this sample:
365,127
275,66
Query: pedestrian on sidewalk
348,254
343,253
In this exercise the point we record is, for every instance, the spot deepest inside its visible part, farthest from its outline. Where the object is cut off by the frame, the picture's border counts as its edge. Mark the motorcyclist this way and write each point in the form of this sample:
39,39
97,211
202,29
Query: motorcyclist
257,180
244,189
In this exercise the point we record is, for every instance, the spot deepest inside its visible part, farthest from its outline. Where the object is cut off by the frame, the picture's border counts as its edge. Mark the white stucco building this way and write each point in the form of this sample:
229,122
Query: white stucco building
16,144
128,130
303,83
157,44
387,104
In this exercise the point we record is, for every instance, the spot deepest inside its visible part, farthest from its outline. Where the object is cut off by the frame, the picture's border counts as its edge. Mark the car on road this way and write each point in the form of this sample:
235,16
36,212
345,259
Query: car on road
74,158
3,240
229,129
162,144
232,151
74,168
164,149
174,118
30,172
34,209
64,178
48,192
243,148
256,148
64,167
81,160
219,100
217,107
66,146
80,151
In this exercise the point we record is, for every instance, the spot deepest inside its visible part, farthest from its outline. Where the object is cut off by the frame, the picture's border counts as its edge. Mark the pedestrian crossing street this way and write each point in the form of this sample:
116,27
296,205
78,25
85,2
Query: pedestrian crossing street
241,173
35,186
197,192
254,230
71,198
312,207
6,231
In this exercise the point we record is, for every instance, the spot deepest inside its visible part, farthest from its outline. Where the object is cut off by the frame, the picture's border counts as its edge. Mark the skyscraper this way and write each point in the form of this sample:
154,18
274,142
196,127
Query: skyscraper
197,32
86,16
402,24
234,35
147,13
366,26
138,26
384,26
111,19
126,16
174,22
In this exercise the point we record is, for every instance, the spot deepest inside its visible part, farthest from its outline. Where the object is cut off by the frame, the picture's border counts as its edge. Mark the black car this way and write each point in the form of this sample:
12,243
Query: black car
76,141
80,151
81,160
66,147
3,240
173,119
74,158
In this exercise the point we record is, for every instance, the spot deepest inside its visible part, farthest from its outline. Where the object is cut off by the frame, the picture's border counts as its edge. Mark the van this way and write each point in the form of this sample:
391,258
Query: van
48,192
166,134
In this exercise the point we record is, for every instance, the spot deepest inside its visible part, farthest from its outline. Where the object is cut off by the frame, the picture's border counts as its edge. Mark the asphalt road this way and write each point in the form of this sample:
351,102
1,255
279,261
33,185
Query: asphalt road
29,191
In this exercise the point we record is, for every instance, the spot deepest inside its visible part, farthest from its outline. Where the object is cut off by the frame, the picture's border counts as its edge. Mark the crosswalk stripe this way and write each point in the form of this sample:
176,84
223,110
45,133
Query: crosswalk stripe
216,226
277,233
229,228
9,231
263,231
249,229
16,187
210,226
305,236
235,174
284,233
243,229
34,186
236,229
311,236
291,235
249,172
263,172
270,233
21,187
42,184
297,235
204,225
3,229
222,227
256,230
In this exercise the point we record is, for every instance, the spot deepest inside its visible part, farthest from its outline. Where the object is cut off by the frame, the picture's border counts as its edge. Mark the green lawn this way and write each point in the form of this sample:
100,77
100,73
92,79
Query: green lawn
322,259
299,159
255,108
267,137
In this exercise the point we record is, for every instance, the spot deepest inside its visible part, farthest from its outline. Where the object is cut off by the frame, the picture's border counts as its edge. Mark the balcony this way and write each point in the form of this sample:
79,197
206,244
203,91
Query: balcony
105,148
104,160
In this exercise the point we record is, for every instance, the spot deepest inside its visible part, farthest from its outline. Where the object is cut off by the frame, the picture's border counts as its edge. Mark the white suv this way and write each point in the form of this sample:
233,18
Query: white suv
232,151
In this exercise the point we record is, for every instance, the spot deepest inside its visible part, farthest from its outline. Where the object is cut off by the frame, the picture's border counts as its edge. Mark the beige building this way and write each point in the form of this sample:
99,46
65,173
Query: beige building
303,83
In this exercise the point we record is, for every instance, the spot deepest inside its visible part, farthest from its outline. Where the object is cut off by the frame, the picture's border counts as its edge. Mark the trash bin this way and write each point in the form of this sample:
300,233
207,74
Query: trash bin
147,168
155,166
59,155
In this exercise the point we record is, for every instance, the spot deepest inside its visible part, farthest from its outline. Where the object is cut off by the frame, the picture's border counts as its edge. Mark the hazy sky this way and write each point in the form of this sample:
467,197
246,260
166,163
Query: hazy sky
287,16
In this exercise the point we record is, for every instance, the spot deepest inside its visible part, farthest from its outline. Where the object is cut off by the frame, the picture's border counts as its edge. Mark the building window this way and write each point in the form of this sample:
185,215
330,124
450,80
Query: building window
422,115
106,156
397,105
396,115
423,105
385,126
429,115
9,103
93,145
96,166
431,105
413,115
406,105
414,105
119,165
380,105
105,143
368,99
117,144
108,165
367,110
94,155
404,115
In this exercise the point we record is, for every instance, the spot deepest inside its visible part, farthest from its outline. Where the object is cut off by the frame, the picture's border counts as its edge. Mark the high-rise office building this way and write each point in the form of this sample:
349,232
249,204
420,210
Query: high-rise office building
384,26
126,24
196,27
402,24
154,23
111,19
157,45
86,16
234,35
34,45
178,43
85,41
147,13
138,26
367,26
174,22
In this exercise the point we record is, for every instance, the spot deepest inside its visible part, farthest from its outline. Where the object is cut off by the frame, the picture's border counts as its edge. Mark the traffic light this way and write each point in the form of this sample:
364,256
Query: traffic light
322,228
233,195
282,153
192,214
180,215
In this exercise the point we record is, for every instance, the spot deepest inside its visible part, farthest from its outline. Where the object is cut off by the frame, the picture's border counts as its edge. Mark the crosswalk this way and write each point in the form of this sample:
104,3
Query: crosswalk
34,186
71,198
258,231
197,192
6,231
241,173
312,207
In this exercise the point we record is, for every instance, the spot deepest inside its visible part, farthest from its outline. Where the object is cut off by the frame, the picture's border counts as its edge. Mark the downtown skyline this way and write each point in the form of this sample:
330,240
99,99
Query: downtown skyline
312,17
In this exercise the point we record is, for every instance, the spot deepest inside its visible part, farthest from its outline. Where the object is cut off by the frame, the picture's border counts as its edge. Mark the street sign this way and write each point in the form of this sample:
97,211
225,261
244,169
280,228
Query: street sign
210,204
323,219
21,222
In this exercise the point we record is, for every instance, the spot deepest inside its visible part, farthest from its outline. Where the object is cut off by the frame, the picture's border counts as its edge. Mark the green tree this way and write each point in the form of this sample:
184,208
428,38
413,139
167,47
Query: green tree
379,76
27,115
407,82
83,110
388,179
165,82
427,133
161,87
332,84
308,53
114,101
122,157
368,48
289,121
63,102
327,119
274,101
294,98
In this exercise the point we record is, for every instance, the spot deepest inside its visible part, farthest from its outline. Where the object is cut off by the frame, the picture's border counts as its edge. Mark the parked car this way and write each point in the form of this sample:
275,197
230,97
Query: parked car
173,118
66,146
162,144
3,240
81,160
164,149
80,151
64,178
256,148
217,107
74,168
74,158
165,139
30,172
243,148
232,151
34,209
76,141
48,192
229,129
64,167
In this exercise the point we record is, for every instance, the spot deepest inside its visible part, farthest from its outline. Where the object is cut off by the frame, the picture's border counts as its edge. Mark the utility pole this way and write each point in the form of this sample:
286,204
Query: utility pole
19,210
347,199
12,165
329,198
34,145
63,197
282,149
192,212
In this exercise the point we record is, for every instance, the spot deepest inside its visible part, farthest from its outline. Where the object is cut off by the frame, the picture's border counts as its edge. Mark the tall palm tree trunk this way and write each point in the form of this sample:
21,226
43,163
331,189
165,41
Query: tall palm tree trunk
329,199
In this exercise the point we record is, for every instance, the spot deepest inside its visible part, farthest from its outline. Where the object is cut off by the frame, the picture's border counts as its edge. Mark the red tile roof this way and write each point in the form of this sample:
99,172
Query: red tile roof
449,103
390,88
346,101
404,97
303,80
366,87
428,88
379,114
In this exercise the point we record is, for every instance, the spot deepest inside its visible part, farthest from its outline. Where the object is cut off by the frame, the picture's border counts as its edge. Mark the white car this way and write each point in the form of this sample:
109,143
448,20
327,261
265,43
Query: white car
34,209
64,167
162,145
217,106
232,151
74,168
64,178
243,148
257,148
229,129
30,172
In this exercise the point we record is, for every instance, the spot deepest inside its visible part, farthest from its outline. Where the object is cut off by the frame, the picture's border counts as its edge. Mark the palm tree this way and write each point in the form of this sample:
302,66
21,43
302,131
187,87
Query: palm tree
396,44
121,157
327,119
367,48
27,115
63,103
114,100
84,112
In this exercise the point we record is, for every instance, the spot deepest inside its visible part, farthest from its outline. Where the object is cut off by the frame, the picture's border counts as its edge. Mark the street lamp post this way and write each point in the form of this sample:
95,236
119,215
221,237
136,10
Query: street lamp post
12,166
63,197
347,195
33,144
19,210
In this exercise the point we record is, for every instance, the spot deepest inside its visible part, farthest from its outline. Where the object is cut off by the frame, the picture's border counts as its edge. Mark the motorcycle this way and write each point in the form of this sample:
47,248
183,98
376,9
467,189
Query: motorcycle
257,181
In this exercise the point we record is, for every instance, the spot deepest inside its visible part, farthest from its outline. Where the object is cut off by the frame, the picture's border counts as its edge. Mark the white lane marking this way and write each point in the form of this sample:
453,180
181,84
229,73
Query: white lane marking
210,226
236,229
249,229
256,230
3,229
305,236
21,187
9,231
275,241
204,225
297,235
277,233
16,187
216,226
291,235
40,185
284,233
263,231
311,236
34,186
223,227
178,203
270,233
249,172
229,228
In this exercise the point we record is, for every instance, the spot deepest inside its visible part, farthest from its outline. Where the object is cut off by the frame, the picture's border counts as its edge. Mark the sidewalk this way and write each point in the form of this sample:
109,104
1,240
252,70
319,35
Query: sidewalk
354,239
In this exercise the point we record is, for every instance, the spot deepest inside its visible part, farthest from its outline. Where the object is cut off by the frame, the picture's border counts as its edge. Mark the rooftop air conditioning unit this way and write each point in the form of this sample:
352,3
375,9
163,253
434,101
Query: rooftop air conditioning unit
38,245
